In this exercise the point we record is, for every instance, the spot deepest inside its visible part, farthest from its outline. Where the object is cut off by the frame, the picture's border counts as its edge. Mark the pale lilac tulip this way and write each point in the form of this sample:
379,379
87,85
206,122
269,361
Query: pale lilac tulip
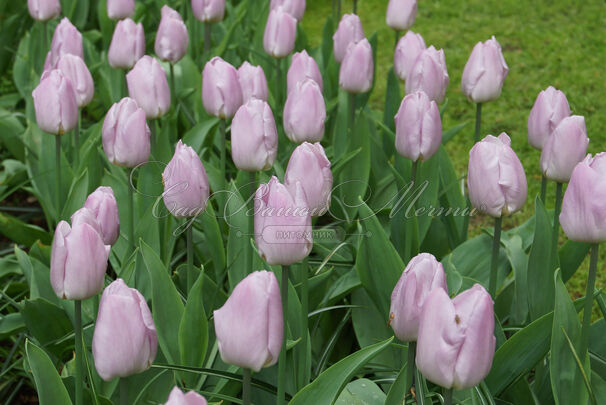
172,38
74,68
127,46
102,204
357,68
421,276
120,9
303,66
309,166
305,113
409,47
566,147
44,10
296,8
55,103
86,216
66,39
186,188
221,92
78,261
484,72
418,127
125,339
349,31
208,11
550,107
428,73
401,14
583,216
282,223
456,340
177,397
252,82
280,33
249,326
148,85
254,136
495,177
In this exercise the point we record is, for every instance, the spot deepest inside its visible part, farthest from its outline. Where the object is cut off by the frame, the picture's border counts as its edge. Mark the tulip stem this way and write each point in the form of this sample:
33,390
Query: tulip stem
556,225
79,350
352,112
409,252
45,35
123,391
131,209
246,386
279,82
77,141
593,264
396,39
305,312
355,6
173,95
543,188
447,396
496,244
410,365
251,220
207,40
58,175
282,358
222,141
478,122
189,231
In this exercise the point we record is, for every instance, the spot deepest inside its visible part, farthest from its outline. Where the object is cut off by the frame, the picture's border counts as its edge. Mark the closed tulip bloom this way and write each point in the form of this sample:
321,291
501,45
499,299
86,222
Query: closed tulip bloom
484,72
296,8
147,84
456,341
127,46
495,177
74,68
349,31
254,137
120,9
428,73
282,223
280,33
125,340
55,103
249,327
550,107
208,11
78,261
303,67
357,68
309,166
305,113
583,216
66,39
125,134
86,216
221,92
186,188
407,50
566,147
171,39
401,14
44,10
177,397
252,82
421,276
418,127
102,204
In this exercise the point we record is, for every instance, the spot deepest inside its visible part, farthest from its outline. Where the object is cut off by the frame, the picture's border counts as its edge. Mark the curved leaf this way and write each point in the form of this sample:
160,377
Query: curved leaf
51,390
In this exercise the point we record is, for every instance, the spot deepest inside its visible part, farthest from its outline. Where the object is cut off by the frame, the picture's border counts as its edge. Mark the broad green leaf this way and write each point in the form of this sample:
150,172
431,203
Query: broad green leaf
49,387
571,255
193,329
22,233
397,392
238,242
46,322
361,392
76,196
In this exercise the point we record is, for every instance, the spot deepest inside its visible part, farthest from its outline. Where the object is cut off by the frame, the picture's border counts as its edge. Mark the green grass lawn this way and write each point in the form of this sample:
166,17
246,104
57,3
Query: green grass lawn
560,43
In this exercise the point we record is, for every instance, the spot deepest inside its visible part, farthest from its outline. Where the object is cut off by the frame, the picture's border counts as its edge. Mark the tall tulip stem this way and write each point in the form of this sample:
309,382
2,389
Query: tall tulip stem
410,364
408,247
282,358
352,112
447,396
305,310
478,122
279,82
556,224
207,39
496,244
543,188
123,391
355,6
396,39
79,351
189,232
45,35
246,386
77,141
173,94
131,209
58,175
252,182
593,264
223,157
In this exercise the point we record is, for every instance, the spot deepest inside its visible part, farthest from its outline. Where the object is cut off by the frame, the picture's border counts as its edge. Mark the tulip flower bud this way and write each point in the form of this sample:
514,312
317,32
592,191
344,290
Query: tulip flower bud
125,134
305,113
208,11
280,33
254,136
252,82
484,72
171,39
566,147
456,338
296,8
74,68
125,340
177,397
282,223
357,69
147,84
418,127
349,31
44,10
495,177
303,67
55,103
428,73
86,216
309,166
583,216
120,9
78,261
249,326
127,46
548,110
421,276
401,14
102,204
409,47
221,92
66,39
186,188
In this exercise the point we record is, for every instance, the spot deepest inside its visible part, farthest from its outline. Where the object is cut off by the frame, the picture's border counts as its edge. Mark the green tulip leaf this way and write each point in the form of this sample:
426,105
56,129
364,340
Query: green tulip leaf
51,390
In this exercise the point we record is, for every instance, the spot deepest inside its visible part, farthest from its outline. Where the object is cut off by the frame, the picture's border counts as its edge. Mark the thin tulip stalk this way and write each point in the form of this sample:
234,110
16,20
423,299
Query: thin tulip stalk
131,208
251,219
58,175
410,365
207,40
476,138
447,394
556,224
79,351
282,358
408,250
355,6
246,383
543,188
173,94
593,264
77,141
190,254
123,391
278,81
494,261
222,157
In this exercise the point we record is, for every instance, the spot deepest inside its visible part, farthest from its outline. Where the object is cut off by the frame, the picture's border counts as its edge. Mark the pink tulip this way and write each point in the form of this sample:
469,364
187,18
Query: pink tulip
303,67
252,82
280,33
296,8
120,9
549,109
66,39
305,113
418,127
484,72
44,10
349,31
357,68
55,103
566,147
102,204
428,73
172,38
74,68
221,92
127,46
408,49
254,137
148,85
401,14
208,11
177,397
